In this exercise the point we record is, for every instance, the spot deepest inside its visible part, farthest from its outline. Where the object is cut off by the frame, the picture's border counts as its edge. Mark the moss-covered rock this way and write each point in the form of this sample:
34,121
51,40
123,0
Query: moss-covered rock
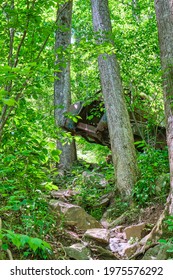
159,252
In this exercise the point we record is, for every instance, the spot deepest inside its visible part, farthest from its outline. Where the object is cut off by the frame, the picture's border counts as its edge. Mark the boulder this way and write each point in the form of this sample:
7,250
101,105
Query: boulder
117,245
98,235
63,194
135,231
118,232
159,252
74,215
78,251
129,250
101,253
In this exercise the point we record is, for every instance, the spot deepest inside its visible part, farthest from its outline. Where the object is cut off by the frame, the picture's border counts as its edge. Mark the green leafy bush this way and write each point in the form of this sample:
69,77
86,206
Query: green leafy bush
168,231
34,247
27,161
152,163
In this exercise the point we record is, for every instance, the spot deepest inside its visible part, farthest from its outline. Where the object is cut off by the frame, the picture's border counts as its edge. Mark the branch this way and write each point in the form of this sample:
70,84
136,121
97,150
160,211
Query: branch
5,118
47,38
43,46
24,33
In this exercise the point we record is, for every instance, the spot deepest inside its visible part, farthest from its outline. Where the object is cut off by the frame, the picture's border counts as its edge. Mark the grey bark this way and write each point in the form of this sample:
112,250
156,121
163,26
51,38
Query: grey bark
62,94
122,143
164,15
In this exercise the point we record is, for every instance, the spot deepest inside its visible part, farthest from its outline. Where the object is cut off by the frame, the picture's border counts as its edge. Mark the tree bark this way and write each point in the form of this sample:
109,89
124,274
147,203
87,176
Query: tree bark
62,94
164,15
121,137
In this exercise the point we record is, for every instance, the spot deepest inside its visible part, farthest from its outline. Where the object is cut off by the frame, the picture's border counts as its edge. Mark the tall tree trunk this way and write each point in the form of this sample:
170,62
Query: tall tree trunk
62,93
122,143
164,14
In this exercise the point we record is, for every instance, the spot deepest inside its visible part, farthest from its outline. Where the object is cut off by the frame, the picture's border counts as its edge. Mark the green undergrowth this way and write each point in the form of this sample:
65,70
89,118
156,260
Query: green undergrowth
28,174
27,158
166,239
91,182
154,167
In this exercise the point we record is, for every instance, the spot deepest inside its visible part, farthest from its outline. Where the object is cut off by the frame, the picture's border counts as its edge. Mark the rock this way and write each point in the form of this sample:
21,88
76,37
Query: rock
78,251
63,194
75,216
159,252
117,246
118,232
104,200
103,254
71,235
127,217
98,235
129,250
134,231
105,223
103,183
95,178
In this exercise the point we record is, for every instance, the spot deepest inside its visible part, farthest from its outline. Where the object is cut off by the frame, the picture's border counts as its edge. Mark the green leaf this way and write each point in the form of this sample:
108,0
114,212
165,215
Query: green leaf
9,102
46,245
24,239
51,186
55,155
170,250
3,93
35,243
162,241
4,246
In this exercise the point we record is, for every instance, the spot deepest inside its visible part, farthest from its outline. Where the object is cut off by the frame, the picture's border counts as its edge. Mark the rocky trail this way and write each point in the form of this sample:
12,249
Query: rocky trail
86,238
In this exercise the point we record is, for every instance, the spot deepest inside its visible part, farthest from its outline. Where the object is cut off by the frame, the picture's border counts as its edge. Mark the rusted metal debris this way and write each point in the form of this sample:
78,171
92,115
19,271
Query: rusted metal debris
90,122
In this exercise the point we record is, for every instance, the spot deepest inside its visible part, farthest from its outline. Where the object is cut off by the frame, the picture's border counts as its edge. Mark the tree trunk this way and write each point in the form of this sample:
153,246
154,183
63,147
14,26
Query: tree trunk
164,14
122,143
62,94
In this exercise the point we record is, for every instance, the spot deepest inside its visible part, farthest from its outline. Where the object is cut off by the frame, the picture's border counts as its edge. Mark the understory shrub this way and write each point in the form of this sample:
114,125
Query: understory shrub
151,163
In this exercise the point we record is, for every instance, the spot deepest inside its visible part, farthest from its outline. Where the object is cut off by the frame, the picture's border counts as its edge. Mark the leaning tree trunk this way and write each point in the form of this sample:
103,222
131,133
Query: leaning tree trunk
62,94
122,143
164,14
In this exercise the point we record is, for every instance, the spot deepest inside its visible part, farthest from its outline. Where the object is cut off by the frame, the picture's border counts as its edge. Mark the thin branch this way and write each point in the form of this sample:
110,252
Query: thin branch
24,35
47,38
4,120
10,54
43,46
20,45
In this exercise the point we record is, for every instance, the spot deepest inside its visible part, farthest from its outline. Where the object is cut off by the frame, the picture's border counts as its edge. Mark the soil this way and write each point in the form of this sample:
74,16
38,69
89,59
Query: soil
151,214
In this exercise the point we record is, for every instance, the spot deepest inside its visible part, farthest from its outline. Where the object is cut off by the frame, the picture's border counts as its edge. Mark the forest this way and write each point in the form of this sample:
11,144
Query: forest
86,130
